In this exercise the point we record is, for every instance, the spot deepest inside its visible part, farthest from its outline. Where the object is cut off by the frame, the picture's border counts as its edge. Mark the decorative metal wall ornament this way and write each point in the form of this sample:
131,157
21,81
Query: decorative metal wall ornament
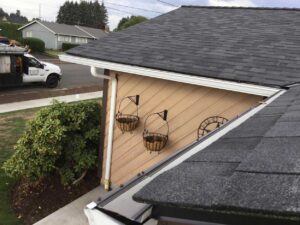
128,122
155,142
210,124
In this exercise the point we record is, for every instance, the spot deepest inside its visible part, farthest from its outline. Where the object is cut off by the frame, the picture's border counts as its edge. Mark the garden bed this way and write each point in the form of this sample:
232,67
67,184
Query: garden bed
31,204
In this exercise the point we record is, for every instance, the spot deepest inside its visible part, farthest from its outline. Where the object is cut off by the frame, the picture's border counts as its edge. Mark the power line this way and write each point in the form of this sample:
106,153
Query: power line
167,3
131,7
130,13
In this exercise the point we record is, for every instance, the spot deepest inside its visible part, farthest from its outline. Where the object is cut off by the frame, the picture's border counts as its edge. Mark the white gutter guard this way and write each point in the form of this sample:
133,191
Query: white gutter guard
178,77
96,217
120,201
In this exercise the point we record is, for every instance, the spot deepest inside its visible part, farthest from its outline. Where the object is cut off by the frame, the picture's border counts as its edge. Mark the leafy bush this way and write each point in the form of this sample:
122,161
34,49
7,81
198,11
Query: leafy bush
67,46
63,139
10,30
35,44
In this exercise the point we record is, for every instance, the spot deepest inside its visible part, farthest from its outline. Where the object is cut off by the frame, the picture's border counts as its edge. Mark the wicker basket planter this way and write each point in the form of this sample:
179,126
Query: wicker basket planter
153,141
128,122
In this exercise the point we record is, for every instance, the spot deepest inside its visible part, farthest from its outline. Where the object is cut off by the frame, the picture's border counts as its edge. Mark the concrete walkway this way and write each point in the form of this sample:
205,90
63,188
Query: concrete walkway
15,106
72,214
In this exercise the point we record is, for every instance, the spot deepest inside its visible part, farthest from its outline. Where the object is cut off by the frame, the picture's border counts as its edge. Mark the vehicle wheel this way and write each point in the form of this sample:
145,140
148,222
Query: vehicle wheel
52,81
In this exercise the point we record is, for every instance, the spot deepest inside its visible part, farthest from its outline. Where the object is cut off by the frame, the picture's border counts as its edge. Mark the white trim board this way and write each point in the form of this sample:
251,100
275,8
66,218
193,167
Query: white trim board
178,77
16,106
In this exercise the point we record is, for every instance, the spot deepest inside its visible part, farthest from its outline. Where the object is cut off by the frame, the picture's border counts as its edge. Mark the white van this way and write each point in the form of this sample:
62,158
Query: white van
18,67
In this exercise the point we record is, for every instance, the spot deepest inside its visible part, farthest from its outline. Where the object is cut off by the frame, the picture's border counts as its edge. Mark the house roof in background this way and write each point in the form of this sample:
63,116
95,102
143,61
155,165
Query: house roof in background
96,33
249,45
71,30
254,168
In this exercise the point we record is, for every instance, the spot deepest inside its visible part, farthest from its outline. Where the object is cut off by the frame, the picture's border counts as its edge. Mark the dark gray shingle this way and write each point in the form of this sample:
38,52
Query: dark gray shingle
260,46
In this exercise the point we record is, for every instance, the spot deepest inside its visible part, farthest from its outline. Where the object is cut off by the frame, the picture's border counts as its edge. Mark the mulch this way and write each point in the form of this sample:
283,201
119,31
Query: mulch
32,202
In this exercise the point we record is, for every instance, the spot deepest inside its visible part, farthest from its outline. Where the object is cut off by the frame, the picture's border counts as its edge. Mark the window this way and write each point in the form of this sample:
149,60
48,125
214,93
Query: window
80,40
28,34
64,39
32,62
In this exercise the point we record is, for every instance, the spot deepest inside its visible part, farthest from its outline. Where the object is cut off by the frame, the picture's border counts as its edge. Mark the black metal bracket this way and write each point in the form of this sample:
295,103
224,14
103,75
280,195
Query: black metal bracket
135,99
163,114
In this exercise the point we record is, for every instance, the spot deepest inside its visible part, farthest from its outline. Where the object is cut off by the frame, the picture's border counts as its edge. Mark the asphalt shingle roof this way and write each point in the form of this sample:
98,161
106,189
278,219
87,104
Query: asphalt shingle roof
65,29
97,33
72,30
255,168
259,46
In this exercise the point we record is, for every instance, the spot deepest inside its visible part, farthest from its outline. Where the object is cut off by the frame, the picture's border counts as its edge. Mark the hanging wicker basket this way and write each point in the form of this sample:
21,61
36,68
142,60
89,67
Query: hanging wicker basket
128,122
155,142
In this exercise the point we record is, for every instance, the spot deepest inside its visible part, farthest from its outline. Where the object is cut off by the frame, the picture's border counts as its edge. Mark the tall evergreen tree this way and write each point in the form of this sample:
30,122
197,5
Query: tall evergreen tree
86,13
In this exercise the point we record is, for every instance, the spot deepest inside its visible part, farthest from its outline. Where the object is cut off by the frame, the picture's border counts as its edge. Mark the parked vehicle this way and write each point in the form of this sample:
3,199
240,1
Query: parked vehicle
18,67
4,40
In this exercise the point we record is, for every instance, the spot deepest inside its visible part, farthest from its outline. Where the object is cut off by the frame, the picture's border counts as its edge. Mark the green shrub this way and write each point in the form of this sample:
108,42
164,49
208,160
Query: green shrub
67,46
10,30
35,44
63,139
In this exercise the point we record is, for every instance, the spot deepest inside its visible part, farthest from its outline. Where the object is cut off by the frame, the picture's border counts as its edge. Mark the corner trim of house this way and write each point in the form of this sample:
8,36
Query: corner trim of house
178,77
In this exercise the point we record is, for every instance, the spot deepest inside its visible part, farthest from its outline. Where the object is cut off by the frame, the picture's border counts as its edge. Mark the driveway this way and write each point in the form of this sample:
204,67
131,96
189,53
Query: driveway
76,79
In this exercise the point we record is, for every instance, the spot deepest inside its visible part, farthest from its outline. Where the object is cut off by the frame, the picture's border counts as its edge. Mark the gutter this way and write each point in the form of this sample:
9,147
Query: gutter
241,87
112,112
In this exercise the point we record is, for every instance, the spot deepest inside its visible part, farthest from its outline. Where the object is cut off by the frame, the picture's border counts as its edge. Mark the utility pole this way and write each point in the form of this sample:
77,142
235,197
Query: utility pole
40,11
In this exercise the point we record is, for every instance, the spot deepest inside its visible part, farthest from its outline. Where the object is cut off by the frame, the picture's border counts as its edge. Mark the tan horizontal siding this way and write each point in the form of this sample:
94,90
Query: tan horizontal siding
187,105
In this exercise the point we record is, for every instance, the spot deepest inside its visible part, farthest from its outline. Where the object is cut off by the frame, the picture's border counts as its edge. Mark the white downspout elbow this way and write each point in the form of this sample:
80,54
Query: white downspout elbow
111,123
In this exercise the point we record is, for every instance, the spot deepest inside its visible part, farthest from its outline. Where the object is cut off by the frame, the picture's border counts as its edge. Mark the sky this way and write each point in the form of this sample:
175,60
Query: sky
118,9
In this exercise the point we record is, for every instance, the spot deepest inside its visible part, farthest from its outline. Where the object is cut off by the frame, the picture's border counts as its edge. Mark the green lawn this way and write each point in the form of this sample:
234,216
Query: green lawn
54,53
12,126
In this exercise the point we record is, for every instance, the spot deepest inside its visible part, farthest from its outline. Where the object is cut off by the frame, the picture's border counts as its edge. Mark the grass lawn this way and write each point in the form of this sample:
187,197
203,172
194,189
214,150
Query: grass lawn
12,126
54,53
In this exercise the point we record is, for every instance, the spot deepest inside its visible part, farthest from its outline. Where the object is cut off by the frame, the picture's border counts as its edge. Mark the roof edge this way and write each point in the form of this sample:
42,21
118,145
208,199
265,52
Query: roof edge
241,7
236,86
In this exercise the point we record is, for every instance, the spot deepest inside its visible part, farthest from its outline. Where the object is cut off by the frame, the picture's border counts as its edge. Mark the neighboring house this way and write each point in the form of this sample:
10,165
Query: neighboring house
54,34
4,19
228,78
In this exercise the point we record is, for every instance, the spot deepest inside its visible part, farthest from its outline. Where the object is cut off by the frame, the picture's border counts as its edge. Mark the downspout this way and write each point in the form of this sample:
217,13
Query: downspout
111,123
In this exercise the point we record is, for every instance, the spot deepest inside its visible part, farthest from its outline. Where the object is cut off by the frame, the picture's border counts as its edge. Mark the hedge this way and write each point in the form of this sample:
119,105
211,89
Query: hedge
10,30
67,46
62,139
35,44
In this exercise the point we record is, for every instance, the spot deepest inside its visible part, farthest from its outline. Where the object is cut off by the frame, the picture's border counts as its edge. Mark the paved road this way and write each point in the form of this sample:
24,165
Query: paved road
76,78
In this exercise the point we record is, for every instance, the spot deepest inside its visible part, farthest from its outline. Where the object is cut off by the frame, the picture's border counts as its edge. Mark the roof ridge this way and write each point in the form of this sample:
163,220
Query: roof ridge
241,7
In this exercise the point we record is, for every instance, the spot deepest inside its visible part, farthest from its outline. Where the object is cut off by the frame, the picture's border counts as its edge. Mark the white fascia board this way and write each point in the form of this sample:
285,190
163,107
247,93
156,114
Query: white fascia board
26,25
172,76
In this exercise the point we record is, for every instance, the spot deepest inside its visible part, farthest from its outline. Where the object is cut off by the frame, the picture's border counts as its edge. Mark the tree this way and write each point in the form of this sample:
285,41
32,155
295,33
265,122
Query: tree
129,21
90,14
13,17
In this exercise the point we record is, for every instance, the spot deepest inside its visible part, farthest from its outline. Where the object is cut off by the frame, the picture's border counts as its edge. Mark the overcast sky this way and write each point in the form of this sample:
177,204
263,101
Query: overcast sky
152,8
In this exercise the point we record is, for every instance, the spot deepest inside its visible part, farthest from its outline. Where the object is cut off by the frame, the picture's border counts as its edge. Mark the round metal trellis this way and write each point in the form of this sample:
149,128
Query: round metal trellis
210,124
153,141
128,122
